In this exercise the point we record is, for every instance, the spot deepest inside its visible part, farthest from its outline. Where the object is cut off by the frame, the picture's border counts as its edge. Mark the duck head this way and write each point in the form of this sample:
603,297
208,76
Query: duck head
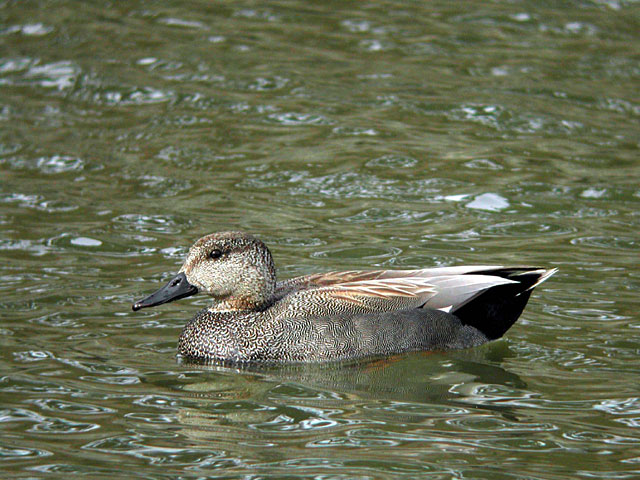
234,268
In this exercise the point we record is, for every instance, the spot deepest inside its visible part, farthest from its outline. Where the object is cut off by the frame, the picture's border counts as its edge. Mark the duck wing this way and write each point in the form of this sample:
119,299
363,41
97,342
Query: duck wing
332,278
446,288
321,297
489,298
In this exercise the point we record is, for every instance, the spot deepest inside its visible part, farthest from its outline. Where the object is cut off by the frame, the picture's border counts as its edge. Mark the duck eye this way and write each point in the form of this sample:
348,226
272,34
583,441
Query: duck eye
213,254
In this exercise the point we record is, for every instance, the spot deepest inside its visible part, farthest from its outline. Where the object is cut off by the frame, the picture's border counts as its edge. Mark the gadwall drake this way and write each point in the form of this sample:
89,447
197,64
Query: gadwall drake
336,315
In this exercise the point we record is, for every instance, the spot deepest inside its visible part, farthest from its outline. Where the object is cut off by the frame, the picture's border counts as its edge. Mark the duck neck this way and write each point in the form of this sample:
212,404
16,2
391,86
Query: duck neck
239,304
254,296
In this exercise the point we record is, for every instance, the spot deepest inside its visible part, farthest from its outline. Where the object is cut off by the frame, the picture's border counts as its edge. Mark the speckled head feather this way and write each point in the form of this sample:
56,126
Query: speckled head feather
235,268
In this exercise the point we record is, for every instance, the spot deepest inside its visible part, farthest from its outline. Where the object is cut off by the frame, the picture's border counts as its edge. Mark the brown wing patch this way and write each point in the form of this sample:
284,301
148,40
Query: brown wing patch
397,287
352,276
379,295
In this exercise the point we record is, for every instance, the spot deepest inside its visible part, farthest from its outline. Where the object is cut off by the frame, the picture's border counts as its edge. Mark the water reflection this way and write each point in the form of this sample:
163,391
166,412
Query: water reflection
431,379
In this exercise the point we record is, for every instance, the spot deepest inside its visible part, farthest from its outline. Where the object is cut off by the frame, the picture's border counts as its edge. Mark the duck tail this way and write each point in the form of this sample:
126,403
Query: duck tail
495,310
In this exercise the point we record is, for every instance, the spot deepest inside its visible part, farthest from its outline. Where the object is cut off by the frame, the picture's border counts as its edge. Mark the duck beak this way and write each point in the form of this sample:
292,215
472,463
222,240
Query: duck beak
178,287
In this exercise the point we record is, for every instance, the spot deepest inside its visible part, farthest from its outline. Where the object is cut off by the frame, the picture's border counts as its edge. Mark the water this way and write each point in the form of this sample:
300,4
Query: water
347,136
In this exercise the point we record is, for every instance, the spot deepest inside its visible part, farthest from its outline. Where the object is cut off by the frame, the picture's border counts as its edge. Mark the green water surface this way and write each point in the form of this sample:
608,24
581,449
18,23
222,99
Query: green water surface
346,135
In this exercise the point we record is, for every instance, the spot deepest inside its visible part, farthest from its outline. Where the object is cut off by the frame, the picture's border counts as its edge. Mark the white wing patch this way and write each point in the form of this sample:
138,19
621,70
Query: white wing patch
545,274
454,291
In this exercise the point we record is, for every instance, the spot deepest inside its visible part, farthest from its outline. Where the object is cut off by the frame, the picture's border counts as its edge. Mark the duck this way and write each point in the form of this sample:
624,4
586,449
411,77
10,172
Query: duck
338,315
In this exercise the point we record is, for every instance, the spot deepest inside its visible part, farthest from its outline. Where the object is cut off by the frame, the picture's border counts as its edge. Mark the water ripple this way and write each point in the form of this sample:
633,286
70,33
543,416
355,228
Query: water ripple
392,161
44,424
60,75
297,119
75,408
626,406
61,426
615,242
132,96
147,223
28,29
14,453
38,202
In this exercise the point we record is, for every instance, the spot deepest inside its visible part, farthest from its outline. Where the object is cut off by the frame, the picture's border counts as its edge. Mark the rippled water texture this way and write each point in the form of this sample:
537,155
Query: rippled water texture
347,135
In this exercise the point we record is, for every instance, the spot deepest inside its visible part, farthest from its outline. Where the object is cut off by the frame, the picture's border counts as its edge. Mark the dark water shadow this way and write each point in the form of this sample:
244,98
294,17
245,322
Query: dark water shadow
421,377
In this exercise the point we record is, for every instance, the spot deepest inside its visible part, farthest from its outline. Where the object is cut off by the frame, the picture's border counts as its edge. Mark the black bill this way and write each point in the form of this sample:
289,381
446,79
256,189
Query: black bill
177,288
